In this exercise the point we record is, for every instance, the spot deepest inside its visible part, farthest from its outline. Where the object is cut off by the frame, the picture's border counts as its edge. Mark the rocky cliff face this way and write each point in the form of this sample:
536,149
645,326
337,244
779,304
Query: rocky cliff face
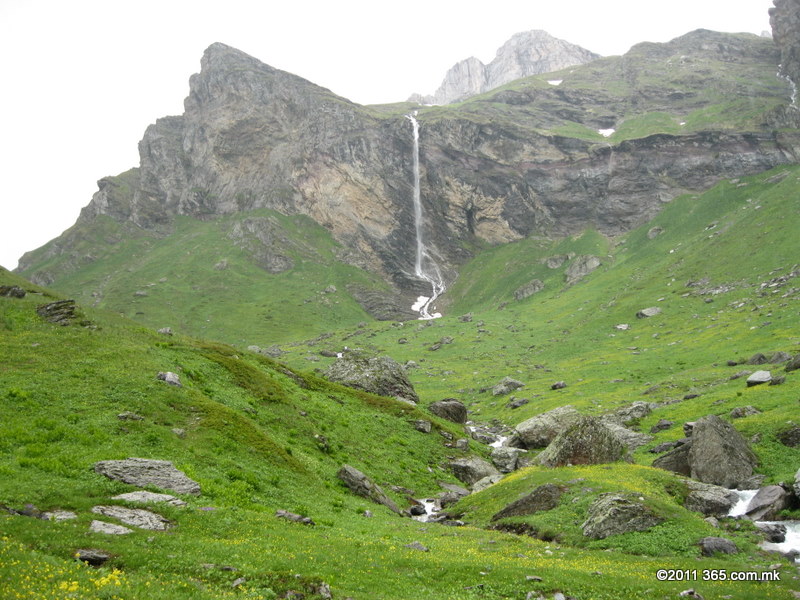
785,21
525,161
526,53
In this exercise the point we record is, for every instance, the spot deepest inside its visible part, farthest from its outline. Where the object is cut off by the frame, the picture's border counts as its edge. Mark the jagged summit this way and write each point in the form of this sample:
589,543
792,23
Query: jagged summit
526,53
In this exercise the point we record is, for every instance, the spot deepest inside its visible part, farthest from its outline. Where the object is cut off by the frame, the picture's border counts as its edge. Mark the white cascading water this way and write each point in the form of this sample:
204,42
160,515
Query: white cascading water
425,267
792,540
791,82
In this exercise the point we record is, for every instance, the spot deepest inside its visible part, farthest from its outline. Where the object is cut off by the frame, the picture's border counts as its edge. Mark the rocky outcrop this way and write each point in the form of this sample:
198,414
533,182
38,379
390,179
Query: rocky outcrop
450,409
613,514
589,441
526,53
539,431
379,375
544,497
144,472
785,21
361,485
135,517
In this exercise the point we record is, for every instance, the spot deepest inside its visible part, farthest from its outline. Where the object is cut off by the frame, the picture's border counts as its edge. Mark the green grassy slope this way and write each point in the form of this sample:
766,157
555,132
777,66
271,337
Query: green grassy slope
252,437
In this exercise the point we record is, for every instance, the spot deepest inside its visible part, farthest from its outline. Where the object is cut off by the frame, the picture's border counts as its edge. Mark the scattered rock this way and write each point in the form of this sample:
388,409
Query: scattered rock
108,528
472,469
544,497
588,441
423,425
758,378
529,289
709,499
654,232
361,485
462,444
61,312
794,364
713,545
145,497
662,425
295,518
690,593
467,318
631,439
92,556
666,446
613,514
779,357
129,416
580,267
648,312
11,291
517,402
622,327
135,517
558,385
59,515
790,437
417,546
539,431
633,412
744,411
505,459
450,409
778,380
170,378
740,374
773,532
767,503
377,375
144,471
505,386
165,331
757,359
557,261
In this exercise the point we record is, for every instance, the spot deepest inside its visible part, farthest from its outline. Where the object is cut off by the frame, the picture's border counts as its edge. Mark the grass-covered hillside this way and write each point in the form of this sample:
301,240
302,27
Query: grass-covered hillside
261,436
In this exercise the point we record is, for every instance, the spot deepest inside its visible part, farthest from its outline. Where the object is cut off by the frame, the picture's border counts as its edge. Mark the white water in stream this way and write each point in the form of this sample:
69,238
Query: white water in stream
425,267
792,540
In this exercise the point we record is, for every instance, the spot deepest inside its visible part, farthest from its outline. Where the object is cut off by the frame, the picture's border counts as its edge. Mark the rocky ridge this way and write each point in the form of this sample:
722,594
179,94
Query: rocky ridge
526,53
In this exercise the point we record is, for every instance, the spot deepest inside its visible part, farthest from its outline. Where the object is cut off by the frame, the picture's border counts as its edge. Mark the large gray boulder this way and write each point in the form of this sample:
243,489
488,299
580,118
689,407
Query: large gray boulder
135,517
472,469
379,375
633,412
144,471
544,497
719,454
450,409
505,386
709,546
613,514
676,460
631,439
506,459
539,431
767,503
361,485
710,500
588,441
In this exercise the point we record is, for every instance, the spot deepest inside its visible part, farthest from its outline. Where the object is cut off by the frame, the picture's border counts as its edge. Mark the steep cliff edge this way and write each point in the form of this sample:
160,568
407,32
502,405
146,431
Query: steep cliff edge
526,53
604,149
785,21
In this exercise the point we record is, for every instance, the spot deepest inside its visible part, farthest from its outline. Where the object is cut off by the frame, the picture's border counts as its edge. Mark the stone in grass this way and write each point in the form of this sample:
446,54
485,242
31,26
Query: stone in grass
713,545
145,497
144,471
614,514
417,546
648,312
589,441
472,469
92,556
758,378
59,515
545,497
361,485
135,517
450,409
108,528
290,516
170,378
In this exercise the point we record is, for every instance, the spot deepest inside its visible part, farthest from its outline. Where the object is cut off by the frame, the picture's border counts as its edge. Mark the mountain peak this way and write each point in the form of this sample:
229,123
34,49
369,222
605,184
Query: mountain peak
525,53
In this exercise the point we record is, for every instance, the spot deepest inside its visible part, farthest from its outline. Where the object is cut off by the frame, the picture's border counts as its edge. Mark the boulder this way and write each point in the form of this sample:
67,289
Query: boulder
92,556
544,497
714,545
744,411
485,482
790,437
59,516
793,364
505,386
61,312
145,497
773,532
767,503
135,517
423,425
662,425
613,514
450,409
632,439
108,528
719,454
758,378
361,485
648,312
676,460
757,359
588,441
779,357
144,471
294,517
506,459
170,378
539,431
472,469
580,267
11,291
377,375
632,412
708,499
529,289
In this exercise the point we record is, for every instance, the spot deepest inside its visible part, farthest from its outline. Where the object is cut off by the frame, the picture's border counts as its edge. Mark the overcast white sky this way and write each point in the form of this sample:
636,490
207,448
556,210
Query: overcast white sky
82,79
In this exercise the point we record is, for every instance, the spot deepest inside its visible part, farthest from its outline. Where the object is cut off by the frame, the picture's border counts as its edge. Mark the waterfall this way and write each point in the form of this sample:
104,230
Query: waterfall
791,542
425,267
791,82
